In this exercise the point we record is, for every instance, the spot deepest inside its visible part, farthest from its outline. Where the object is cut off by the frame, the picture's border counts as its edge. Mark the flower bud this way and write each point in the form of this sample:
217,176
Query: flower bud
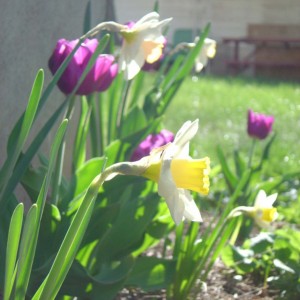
259,125
151,142
98,78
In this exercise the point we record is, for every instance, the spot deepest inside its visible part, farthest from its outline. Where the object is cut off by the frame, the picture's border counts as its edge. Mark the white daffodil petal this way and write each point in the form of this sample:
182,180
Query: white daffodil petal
186,133
168,190
184,151
198,66
129,65
260,199
269,201
201,62
149,17
191,210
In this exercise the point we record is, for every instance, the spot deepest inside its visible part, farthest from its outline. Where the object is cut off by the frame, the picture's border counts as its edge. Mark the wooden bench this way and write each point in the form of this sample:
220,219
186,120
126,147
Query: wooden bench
275,51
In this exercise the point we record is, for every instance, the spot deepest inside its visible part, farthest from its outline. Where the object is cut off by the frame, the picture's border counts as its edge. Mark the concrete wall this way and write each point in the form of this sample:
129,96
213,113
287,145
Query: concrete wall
28,34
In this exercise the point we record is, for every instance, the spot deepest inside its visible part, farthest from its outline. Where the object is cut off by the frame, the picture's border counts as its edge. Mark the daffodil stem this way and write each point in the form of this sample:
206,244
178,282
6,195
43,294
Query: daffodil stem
122,106
251,152
236,231
109,26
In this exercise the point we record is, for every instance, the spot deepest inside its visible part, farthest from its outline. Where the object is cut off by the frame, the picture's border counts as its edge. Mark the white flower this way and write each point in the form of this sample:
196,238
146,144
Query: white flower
176,173
262,212
143,42
208,51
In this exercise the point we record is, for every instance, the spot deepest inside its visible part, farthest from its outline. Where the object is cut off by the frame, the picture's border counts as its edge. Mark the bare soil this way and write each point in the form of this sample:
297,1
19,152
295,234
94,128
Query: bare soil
222,284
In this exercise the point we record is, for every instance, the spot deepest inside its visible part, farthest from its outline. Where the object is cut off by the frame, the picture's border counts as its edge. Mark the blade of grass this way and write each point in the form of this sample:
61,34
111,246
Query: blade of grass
12,249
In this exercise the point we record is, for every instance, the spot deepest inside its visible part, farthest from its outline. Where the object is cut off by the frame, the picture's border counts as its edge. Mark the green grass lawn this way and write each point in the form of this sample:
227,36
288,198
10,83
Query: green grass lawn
221,105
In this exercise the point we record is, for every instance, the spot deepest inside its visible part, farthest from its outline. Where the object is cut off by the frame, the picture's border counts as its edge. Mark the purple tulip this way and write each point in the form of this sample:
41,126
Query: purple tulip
98,78
151,142
259,125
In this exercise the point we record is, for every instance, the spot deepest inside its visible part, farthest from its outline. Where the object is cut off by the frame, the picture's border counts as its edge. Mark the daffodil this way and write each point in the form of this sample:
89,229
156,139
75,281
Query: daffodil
175,172
208,51
142,42
262,212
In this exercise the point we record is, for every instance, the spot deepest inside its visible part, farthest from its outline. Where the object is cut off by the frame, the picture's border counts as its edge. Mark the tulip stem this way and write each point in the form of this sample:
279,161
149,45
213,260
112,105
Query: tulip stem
251,152
101,125
57,174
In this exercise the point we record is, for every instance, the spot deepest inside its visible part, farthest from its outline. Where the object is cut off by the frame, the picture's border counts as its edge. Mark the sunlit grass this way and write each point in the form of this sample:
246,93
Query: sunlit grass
221,105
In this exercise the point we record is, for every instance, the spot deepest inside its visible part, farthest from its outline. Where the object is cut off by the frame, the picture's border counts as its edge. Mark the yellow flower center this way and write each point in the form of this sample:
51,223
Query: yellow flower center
152,51
211,51
268,214
190,174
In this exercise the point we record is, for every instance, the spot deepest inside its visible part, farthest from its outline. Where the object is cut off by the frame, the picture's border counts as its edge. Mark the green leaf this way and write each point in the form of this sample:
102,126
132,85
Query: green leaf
79,150
191,57
261,242
87,17
83,177
15,149
134,121
152,273
12,249
102,286
231,180
113,98
137,89
31,151
70,245
32,224
27,250
129,227
282,266
239,259
266,152
240,164
15,132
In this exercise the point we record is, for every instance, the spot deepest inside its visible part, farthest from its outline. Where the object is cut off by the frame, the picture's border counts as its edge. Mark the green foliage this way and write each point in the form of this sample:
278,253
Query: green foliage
271,258
86,237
